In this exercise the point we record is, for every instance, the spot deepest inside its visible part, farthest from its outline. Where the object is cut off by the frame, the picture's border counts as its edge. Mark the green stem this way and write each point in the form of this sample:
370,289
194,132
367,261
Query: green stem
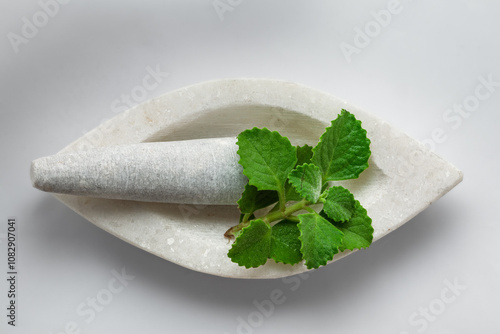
271,217
245,217
293,218
280,215
282,199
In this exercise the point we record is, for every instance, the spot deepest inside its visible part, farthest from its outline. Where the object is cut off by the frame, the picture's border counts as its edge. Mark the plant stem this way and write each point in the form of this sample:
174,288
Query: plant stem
282,199
245,217
293,218
270,217
280,215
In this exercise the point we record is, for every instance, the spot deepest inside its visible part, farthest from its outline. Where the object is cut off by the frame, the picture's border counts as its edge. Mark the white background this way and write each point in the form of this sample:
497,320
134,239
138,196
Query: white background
428,57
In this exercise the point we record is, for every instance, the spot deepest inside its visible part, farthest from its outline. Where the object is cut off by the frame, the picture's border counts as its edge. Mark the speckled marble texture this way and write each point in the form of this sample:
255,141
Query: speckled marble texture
404,177
197,171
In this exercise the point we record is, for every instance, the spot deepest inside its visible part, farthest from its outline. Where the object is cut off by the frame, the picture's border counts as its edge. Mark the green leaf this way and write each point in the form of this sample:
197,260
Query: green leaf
285,243
279,172
307,181
320,239
339,204
253,199
267,158
304,155
253,245
358,231
290,193
343,150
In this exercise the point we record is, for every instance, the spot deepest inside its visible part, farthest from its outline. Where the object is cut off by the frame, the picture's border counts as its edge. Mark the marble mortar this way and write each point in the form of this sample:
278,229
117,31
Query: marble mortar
403,179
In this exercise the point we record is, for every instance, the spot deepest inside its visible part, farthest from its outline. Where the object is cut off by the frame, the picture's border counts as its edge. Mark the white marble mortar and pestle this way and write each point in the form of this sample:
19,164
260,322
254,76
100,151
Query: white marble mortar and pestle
164,175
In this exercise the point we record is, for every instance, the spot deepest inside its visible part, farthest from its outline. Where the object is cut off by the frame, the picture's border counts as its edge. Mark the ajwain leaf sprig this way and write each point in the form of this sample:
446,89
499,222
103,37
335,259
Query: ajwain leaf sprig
294,179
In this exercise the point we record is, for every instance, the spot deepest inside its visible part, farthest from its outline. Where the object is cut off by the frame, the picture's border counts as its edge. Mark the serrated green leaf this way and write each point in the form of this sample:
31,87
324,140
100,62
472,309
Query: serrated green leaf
343,150
290,193
276,170
339,204
358,231
304,155
306,180
253,199
267,158
320,239
253,245
285,243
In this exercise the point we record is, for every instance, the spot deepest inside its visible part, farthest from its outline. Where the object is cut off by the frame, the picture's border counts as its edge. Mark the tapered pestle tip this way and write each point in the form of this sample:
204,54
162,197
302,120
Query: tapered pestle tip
35,175
203,171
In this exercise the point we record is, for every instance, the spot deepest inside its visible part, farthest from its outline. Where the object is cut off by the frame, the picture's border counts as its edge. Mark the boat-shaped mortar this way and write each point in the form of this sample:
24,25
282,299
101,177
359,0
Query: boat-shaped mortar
404,177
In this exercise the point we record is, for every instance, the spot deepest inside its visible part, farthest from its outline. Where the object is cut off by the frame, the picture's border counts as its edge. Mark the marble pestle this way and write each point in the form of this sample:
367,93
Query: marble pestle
198,171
